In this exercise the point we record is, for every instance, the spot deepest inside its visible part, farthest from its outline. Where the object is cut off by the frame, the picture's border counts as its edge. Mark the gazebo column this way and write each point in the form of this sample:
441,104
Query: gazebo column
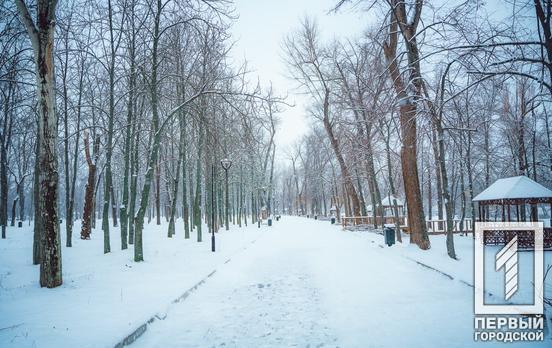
517,212
503,212
509,215
524,211
534,212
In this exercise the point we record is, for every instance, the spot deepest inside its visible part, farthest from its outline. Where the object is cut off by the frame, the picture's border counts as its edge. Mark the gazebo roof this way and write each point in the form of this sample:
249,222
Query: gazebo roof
388,201
515,188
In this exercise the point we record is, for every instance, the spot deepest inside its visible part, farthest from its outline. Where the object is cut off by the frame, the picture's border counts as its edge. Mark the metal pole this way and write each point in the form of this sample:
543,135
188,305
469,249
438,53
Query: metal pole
226,208
213,208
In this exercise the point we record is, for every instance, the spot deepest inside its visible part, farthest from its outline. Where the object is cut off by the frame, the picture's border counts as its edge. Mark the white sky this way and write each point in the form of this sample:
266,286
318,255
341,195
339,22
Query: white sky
260,30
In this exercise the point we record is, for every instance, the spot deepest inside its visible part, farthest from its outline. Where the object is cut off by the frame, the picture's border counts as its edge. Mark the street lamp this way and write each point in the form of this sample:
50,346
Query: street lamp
226,164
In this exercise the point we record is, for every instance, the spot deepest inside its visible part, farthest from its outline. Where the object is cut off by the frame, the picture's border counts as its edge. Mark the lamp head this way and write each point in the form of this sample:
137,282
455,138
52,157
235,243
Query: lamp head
226,163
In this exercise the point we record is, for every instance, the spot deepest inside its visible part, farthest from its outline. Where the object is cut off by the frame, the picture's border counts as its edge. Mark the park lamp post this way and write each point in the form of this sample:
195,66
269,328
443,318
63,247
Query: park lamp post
226,164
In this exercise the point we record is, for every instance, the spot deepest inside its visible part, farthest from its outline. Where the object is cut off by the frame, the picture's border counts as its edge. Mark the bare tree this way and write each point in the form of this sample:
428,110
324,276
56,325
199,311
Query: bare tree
408,92
41,34
306,59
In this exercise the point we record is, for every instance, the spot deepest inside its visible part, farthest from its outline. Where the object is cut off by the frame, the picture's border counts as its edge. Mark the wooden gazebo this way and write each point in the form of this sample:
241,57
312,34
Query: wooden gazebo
515,199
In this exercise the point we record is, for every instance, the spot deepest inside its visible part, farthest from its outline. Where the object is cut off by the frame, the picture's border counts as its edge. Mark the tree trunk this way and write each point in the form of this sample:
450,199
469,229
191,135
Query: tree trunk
177,177
429,194
437,120
3,190
462,190
130,128
14,209
108,178
37,230
21,194
4,169
42,39
158,194
446,190
372,182
154,152
185,206
407,121
361,195
126,171
90,187
197,199
416,219
5,140
113,206
440,214
133,182
70,174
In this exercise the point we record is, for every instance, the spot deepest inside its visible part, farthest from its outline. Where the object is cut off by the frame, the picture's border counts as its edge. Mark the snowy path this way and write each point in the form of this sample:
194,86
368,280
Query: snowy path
264,297
306,283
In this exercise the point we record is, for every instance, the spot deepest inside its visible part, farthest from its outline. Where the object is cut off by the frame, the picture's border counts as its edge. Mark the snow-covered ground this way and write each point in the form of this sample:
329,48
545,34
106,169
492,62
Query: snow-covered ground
103,297
463,269
299,283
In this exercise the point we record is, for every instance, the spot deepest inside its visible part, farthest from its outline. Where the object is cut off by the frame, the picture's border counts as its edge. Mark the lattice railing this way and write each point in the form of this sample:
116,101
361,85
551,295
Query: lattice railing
525,238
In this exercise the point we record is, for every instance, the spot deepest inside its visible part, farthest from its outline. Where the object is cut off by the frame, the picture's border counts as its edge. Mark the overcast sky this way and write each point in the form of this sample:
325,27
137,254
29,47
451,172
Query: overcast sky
260,29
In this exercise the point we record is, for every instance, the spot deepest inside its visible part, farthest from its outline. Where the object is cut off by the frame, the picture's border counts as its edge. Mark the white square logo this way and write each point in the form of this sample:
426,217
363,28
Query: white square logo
506,261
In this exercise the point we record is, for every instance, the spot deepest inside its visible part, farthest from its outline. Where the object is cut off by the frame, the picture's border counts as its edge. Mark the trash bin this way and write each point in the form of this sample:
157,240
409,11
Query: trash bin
316,217
389,234
269,222
333,220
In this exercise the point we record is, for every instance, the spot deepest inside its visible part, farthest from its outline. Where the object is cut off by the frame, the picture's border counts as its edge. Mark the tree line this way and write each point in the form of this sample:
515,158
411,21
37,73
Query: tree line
433,101
120,111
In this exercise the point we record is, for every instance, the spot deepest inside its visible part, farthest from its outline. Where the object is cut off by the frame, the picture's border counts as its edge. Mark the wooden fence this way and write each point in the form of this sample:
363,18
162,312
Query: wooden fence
433,226
369,220
439,226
